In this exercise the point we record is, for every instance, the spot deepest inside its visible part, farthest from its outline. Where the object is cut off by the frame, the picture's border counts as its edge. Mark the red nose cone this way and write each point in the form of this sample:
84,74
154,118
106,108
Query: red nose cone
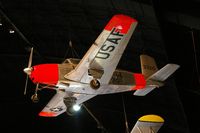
45,74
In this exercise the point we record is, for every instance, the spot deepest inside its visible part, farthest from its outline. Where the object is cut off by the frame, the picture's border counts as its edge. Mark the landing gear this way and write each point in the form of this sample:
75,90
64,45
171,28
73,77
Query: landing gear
35,98
69,102
94,84
70,111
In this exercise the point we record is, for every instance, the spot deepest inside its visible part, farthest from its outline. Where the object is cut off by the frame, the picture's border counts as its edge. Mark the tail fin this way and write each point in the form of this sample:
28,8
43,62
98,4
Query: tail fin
154,77
148,65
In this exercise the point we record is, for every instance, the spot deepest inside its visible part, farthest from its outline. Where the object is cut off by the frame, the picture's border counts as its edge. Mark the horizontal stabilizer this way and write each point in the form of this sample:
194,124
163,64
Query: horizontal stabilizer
144,91
164,72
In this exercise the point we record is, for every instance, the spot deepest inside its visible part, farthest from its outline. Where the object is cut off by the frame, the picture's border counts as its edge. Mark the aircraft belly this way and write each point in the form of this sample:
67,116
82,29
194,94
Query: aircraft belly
121,77
103,89
86,89
109,89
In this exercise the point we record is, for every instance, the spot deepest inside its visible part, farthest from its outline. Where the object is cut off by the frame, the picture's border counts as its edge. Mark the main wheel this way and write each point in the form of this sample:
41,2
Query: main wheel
35,98
70,111
94,84
69,102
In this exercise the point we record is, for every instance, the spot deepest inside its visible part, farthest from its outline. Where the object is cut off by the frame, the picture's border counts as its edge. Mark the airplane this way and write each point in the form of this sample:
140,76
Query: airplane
77,81
148,124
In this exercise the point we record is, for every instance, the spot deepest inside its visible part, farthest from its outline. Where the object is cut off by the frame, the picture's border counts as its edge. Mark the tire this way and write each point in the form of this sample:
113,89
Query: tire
35,98
94,84
70,111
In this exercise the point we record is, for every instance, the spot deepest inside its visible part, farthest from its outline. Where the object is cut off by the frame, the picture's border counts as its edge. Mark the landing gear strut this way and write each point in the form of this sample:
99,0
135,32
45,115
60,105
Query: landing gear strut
94,84
69,102
34,97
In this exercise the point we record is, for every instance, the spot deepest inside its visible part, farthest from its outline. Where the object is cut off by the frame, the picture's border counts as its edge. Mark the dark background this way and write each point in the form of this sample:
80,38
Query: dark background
167,30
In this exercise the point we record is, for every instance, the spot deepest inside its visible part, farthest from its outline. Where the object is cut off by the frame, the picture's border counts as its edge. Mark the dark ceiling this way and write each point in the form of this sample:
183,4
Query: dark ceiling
167,30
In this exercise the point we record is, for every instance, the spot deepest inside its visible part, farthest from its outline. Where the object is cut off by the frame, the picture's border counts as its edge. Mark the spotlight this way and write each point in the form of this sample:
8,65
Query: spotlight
11,31
76,107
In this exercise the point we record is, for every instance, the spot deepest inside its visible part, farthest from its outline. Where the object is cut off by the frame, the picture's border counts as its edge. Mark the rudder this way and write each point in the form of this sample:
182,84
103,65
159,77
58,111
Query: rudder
148,65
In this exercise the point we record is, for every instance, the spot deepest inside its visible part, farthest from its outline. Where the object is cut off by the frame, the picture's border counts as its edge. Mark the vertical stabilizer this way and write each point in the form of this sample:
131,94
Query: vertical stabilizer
148,65
153,76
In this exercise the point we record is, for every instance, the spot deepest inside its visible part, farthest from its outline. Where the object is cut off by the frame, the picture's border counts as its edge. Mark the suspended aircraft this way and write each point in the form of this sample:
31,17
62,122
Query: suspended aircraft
148,124
77,81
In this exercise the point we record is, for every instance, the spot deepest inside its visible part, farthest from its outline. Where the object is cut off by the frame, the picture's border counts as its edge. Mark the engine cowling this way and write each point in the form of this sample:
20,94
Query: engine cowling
45,74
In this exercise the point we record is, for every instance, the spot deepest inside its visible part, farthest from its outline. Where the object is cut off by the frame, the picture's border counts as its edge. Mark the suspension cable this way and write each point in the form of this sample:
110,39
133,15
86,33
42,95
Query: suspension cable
195,55
125,117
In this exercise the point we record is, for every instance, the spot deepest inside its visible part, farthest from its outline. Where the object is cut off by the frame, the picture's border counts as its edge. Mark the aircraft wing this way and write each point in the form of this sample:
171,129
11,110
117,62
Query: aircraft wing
148,124
56,105
103,56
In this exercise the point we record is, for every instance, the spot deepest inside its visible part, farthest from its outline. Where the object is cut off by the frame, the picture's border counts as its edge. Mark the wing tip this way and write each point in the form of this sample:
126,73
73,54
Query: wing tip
151,118
125,17
174,65
47,114
122,22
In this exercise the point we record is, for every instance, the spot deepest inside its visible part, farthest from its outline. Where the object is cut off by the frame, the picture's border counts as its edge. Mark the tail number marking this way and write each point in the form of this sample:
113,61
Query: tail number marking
148,67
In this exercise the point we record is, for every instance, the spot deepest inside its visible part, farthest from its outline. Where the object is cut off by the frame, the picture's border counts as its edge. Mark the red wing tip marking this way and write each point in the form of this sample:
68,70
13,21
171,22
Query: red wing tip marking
120,21
125,18
47,114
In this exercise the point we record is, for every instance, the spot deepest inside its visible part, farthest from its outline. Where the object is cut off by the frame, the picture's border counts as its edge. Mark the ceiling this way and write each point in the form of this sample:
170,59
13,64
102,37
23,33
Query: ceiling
167,30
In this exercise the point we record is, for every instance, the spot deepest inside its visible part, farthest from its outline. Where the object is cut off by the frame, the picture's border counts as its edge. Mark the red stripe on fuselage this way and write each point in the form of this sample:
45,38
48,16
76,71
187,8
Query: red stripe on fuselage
45,74
120,22
140,81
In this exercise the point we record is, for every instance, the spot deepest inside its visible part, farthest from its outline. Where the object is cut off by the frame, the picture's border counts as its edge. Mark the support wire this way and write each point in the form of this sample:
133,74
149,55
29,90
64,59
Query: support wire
125,117
195,55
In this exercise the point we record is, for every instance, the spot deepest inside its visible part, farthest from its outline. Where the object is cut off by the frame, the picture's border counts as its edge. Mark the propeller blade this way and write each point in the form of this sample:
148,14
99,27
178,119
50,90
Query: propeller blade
28,70
30,58
26,85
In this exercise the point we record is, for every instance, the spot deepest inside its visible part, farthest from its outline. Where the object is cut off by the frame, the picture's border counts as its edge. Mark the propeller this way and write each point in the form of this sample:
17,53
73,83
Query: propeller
28,69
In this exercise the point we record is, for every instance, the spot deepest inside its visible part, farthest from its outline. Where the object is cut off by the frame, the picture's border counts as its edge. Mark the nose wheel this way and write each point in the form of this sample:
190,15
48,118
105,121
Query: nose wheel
34,97
94,84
